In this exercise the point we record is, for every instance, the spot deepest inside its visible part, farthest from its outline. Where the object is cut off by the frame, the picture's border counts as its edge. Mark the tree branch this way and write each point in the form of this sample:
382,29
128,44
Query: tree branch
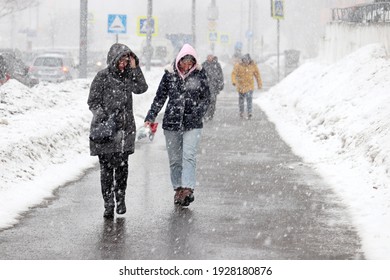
8,7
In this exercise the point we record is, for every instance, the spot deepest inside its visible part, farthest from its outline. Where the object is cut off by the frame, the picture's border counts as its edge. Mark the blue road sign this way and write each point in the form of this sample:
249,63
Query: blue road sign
277,9
213,36
224,38
143,26
117,24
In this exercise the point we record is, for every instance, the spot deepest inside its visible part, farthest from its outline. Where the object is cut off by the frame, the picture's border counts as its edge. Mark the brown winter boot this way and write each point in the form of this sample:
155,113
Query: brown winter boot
187,196
178,195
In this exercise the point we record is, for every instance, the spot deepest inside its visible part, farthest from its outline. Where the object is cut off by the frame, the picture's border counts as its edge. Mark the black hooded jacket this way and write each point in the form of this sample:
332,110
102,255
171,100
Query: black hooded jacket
111,94
188,100
214,75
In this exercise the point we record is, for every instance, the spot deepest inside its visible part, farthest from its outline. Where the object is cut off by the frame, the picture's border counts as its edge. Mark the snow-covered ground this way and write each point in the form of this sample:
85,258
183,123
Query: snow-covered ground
337,117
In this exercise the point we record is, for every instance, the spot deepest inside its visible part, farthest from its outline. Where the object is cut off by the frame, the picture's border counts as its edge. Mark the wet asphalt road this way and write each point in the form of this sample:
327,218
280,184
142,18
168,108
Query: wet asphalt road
255,200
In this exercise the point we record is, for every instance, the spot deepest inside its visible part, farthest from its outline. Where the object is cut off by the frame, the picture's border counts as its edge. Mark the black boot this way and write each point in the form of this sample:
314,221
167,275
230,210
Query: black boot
121,206
107,186
109,213
121,174
109,204
120,202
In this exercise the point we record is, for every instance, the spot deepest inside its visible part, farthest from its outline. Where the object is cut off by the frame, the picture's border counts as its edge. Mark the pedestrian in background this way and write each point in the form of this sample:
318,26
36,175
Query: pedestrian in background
185,86
215,78
110,96
243,76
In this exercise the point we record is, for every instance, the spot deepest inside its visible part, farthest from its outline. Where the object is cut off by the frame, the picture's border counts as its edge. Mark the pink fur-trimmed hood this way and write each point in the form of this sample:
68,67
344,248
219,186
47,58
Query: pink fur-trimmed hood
187,49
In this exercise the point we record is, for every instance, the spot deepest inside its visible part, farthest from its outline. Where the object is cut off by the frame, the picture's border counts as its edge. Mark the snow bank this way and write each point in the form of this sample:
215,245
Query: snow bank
44,137
337,117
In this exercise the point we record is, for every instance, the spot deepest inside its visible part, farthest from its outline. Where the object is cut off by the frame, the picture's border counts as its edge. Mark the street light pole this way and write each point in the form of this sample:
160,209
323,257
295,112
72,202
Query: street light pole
278,47
193,23
212,17
249,32
83,39
277,12
149,35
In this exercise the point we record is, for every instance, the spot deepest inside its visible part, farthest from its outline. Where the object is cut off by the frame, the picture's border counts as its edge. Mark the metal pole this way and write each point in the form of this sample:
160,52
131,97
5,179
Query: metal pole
249,26
253,25
38,17
149,35
12,29
278,46
241,20
193,23
83,39
212,16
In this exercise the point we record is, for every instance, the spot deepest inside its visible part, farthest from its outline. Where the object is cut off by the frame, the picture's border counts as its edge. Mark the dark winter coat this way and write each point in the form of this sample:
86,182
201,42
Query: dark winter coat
188,97
214,75
111,94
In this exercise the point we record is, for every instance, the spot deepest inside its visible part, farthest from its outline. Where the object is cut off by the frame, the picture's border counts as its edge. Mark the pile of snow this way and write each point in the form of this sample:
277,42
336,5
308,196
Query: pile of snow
337,117
44,132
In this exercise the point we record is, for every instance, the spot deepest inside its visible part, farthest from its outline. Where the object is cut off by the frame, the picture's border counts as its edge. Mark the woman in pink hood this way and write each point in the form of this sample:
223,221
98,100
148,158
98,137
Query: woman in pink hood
184,84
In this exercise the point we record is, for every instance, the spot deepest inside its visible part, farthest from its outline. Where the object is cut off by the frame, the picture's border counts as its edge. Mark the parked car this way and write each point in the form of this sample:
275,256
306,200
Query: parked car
12,67
52,67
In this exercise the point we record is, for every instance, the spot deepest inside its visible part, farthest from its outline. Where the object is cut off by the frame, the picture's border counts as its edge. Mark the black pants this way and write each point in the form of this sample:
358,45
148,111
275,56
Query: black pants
211,109
114,169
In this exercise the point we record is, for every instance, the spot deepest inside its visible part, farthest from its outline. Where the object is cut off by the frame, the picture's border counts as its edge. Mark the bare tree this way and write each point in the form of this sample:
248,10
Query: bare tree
10,6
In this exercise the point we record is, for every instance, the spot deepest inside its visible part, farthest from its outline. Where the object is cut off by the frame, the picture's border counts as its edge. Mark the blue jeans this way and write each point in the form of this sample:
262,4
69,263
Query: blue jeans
241,99
182,147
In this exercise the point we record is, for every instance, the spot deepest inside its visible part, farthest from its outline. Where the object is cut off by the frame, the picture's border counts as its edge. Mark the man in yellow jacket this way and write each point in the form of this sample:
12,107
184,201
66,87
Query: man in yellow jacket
243,76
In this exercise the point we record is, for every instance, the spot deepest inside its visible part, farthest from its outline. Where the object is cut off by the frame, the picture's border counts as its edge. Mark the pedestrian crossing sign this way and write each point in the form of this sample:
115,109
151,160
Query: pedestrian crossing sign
224,38
142,26
117,24
277,9
213,37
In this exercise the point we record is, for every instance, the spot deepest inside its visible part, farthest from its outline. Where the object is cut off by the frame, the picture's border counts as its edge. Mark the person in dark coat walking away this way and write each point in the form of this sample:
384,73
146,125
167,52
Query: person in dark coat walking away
215,77
243,76
111,97
185,85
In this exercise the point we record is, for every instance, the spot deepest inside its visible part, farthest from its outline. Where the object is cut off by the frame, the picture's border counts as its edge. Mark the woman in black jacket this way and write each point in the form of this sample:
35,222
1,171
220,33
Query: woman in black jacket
185,86
110,97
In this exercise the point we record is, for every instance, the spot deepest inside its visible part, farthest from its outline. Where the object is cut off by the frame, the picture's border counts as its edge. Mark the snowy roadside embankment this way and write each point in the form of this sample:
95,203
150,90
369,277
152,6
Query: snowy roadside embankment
337,117
44,140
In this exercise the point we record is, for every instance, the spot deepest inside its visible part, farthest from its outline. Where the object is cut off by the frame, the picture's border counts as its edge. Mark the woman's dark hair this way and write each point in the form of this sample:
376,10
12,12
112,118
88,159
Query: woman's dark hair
188,57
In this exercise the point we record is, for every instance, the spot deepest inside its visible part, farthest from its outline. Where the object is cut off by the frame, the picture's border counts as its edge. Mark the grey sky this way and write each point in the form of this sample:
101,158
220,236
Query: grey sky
57,23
